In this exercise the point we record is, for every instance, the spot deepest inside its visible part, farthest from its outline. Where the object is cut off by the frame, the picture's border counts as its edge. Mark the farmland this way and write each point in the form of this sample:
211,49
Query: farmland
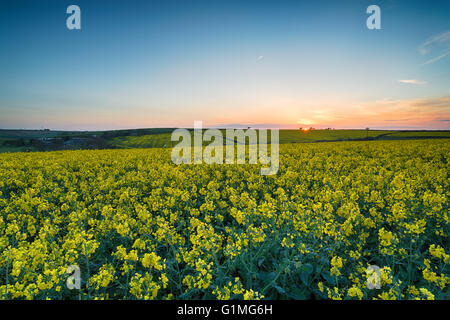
140,227
42,140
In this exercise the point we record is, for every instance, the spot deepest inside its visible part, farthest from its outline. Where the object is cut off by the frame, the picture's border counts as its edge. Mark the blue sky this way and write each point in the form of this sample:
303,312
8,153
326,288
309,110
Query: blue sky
262,63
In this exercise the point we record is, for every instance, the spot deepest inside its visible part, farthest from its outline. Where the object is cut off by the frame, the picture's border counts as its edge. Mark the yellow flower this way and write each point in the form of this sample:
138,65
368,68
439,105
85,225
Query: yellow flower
152,260
355,292
428,295
320,286
336,263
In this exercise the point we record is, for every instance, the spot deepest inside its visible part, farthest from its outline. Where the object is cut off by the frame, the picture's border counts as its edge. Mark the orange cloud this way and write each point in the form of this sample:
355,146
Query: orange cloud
423,113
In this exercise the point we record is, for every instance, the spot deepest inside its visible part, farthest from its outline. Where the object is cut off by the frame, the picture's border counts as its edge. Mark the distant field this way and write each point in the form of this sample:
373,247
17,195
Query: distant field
4,149
42,140
161,140
27,134
295,136
288,136
418,135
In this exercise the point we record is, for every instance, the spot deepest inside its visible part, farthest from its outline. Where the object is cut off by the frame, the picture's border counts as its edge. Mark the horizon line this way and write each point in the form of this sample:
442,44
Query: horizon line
219,127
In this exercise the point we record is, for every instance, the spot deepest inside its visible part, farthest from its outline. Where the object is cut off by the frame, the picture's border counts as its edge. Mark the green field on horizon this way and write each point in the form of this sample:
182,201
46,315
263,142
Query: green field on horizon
45,140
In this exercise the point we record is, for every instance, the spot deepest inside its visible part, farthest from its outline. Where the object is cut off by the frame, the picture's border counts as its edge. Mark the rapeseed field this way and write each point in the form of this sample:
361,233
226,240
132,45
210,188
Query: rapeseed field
139,227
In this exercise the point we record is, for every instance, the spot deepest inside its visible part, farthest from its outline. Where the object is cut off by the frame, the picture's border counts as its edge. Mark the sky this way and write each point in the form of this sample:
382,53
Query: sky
276,64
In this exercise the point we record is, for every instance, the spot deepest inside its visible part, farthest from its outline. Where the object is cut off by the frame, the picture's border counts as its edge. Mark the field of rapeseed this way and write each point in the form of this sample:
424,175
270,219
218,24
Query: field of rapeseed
140,227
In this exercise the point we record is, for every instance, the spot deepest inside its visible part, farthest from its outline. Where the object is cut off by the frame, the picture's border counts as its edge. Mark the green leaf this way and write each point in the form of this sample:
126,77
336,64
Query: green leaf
279,289
261,261
328,278
298,294
305,270
266,276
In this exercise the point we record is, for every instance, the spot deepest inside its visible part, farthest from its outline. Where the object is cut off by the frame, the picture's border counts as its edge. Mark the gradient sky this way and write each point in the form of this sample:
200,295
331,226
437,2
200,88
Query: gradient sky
137,64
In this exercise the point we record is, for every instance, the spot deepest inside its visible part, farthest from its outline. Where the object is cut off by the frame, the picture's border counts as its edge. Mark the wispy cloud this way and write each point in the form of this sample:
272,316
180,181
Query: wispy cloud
437,58
425,113
253,126
413,81
439,39
439,43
